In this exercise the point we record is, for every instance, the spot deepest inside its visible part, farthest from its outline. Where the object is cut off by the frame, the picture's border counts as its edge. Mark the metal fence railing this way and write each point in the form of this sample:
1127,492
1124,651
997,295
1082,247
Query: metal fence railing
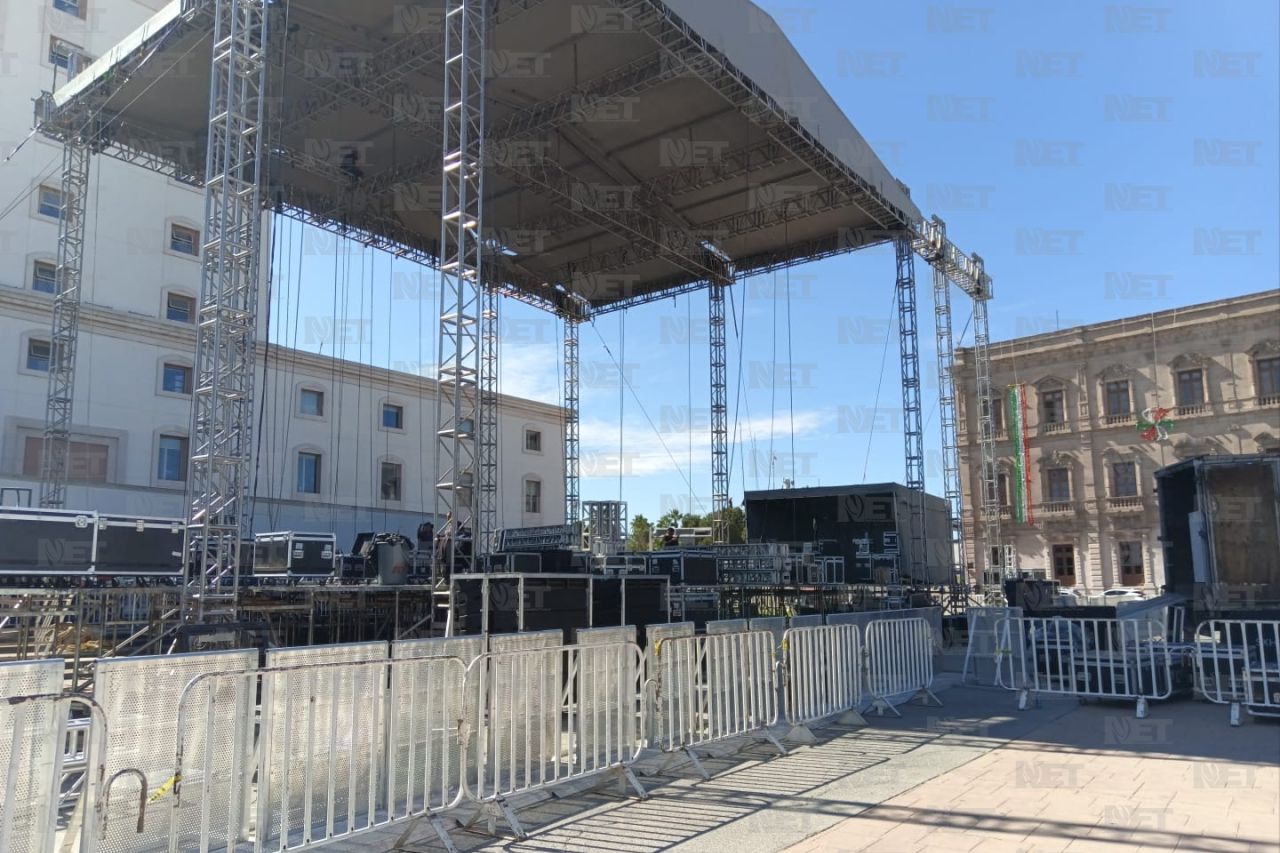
1088,658
984,641
900,662
822,670
1237,663
713,687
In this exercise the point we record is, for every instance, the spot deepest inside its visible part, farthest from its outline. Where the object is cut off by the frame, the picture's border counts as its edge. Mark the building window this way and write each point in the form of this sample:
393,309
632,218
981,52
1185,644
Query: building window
50,202
177,379
1129,556
1064,564
180,307
1118,403
309,473
392,417
533,440
390,478
1002,488
532,496
44,277
1053,408
1124,480
71,7
183,240
1190,388
1058,485
64,54
39,355
86,463
171,461
311,403
1268,376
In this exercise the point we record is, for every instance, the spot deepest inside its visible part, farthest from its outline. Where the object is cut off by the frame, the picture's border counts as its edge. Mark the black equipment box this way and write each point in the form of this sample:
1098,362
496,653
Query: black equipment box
290,554
691,568
139,546
70,543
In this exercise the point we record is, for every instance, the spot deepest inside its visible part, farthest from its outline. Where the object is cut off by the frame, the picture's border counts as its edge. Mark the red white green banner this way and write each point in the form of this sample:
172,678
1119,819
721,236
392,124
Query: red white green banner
1021,485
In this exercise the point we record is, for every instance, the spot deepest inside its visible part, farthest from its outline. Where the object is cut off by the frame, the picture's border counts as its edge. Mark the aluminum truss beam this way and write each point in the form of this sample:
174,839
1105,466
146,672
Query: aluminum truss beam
945,343
990,517
719,418
222,401
487,434
912,429
572,451
65,329
461,254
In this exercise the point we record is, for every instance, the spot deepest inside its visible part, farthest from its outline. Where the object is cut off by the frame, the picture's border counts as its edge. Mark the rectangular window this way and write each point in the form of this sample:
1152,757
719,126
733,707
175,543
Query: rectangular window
1268,370
71,7
1053,409
1058,485
311,403
1129,556
44,277
39,354
50,202
392,416
179,307
390,476
171,461
87,462
309,473
183,240
1064,564
533,441
1117,399
177,379
1124,480
1002,489
64,54
1191,387
532,496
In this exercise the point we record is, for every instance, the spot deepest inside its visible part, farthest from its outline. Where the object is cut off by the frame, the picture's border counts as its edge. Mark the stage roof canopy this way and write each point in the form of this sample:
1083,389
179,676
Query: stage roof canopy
635,147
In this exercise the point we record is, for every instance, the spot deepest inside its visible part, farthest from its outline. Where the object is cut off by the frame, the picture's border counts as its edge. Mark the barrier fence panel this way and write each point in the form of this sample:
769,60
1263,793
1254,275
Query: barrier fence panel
140,697
1237,663
823,671
550,716
808,620
30,753
984,643
714,687
900,662
309,774
776,625
727,626
600,636
1089,658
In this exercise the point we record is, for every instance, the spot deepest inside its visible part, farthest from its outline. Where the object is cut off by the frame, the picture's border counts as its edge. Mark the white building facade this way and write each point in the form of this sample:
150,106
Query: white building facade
340,446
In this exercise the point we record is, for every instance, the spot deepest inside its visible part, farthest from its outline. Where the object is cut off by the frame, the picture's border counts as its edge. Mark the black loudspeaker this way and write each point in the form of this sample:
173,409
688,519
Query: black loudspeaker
699,570
555,603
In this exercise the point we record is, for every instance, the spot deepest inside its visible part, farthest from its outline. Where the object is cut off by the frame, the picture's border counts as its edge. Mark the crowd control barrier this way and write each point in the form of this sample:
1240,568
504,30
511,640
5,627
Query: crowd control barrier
714,687
900,662
822,677
1088,658
984,638
549,716
1237,663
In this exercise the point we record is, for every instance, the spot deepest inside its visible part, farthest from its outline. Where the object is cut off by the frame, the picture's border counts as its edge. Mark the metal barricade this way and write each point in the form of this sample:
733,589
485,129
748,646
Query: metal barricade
776,625
984,640
1089,659
714,687
31,754
899,662
1237,663
808,620
727,626
601,636
550,716
823,677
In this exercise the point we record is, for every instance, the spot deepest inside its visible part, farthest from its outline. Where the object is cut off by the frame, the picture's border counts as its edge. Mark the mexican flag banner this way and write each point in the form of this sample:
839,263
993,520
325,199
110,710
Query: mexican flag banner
1017,420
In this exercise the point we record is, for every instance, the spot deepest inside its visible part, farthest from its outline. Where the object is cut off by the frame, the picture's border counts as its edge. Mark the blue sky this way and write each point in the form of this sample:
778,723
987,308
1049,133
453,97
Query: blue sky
1106,160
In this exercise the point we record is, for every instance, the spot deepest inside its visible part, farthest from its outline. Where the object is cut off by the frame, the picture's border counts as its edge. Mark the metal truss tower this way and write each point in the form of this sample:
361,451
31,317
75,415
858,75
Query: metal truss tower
65,330
572,508
990,519
461,251
947,414
719,417
912,429
222,399
487,437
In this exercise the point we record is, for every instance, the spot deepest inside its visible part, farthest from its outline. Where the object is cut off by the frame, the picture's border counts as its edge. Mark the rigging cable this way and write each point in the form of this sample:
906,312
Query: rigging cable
875,409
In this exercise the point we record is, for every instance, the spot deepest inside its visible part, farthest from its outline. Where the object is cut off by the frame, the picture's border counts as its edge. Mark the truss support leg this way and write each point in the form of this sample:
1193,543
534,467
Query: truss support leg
65,330
951,487
912,429
487,438
572,507
990,514
222,398
461,252
719,418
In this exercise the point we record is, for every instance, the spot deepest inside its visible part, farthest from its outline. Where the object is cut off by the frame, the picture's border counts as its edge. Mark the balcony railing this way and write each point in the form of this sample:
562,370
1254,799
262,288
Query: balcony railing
1055,507
1053,426
1130,502
1190,411
1269,400
1119,419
